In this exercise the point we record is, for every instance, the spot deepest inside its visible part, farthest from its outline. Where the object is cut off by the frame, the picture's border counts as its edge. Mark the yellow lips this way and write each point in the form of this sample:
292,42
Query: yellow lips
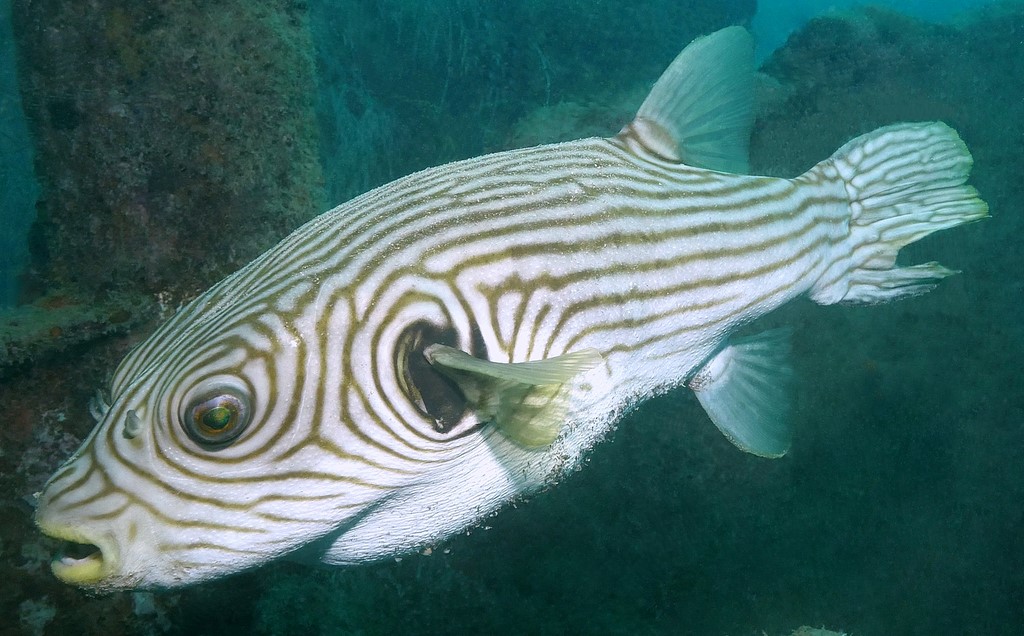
79,571
87,570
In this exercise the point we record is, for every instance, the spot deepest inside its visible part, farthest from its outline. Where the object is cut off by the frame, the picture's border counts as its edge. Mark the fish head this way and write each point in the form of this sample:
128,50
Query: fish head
194,470
232,439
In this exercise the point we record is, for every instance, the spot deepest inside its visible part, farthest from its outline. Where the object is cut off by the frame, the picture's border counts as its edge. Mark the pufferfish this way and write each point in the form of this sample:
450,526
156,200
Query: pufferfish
402,365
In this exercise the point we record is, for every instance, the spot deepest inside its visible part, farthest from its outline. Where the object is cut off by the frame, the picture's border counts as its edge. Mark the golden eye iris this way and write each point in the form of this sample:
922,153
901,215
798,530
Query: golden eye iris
216,420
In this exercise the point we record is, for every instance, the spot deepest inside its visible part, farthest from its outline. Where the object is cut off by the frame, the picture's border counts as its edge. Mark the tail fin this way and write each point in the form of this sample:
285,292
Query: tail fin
904,182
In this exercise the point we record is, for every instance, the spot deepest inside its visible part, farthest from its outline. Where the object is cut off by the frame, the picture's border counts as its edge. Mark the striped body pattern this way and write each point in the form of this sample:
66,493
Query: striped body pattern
298,408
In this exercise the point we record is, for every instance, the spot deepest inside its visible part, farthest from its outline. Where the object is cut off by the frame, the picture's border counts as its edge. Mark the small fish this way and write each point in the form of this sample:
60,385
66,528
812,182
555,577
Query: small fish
402,365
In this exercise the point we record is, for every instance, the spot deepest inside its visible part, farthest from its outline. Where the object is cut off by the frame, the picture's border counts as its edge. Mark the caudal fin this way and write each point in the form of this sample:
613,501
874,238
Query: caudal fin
904,182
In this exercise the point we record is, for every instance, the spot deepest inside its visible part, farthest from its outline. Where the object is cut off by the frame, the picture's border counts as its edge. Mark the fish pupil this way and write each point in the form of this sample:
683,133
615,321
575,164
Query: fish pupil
217,418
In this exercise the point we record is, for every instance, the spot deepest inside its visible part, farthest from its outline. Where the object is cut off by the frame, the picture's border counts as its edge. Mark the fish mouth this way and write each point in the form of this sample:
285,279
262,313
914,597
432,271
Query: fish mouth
81,559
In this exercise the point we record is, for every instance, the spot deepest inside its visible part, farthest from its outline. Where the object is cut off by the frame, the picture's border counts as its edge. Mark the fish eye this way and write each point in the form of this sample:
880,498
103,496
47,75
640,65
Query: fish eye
214,420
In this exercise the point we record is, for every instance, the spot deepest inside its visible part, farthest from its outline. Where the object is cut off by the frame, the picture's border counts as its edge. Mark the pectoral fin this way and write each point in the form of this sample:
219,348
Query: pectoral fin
745,389
525,400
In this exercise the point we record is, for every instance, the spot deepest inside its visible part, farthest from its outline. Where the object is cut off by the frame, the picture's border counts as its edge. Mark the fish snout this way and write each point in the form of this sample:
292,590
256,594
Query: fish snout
87,557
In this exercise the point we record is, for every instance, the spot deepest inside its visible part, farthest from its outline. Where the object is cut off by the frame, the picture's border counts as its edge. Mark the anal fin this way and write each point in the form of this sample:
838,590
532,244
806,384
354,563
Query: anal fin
745,390
527,401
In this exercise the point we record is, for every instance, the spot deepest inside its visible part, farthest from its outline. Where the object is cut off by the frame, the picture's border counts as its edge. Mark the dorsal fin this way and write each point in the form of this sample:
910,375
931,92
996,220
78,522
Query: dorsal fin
527,401
701,111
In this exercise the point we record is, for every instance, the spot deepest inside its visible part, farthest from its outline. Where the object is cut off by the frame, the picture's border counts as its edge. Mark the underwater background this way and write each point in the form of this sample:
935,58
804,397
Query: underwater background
148,149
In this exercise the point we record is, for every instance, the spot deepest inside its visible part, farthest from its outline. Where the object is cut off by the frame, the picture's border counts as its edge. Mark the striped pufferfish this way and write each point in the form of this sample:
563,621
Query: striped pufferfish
401,366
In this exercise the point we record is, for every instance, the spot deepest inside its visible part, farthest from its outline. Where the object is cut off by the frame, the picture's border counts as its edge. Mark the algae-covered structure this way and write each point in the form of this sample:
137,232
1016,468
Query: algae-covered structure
175,140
